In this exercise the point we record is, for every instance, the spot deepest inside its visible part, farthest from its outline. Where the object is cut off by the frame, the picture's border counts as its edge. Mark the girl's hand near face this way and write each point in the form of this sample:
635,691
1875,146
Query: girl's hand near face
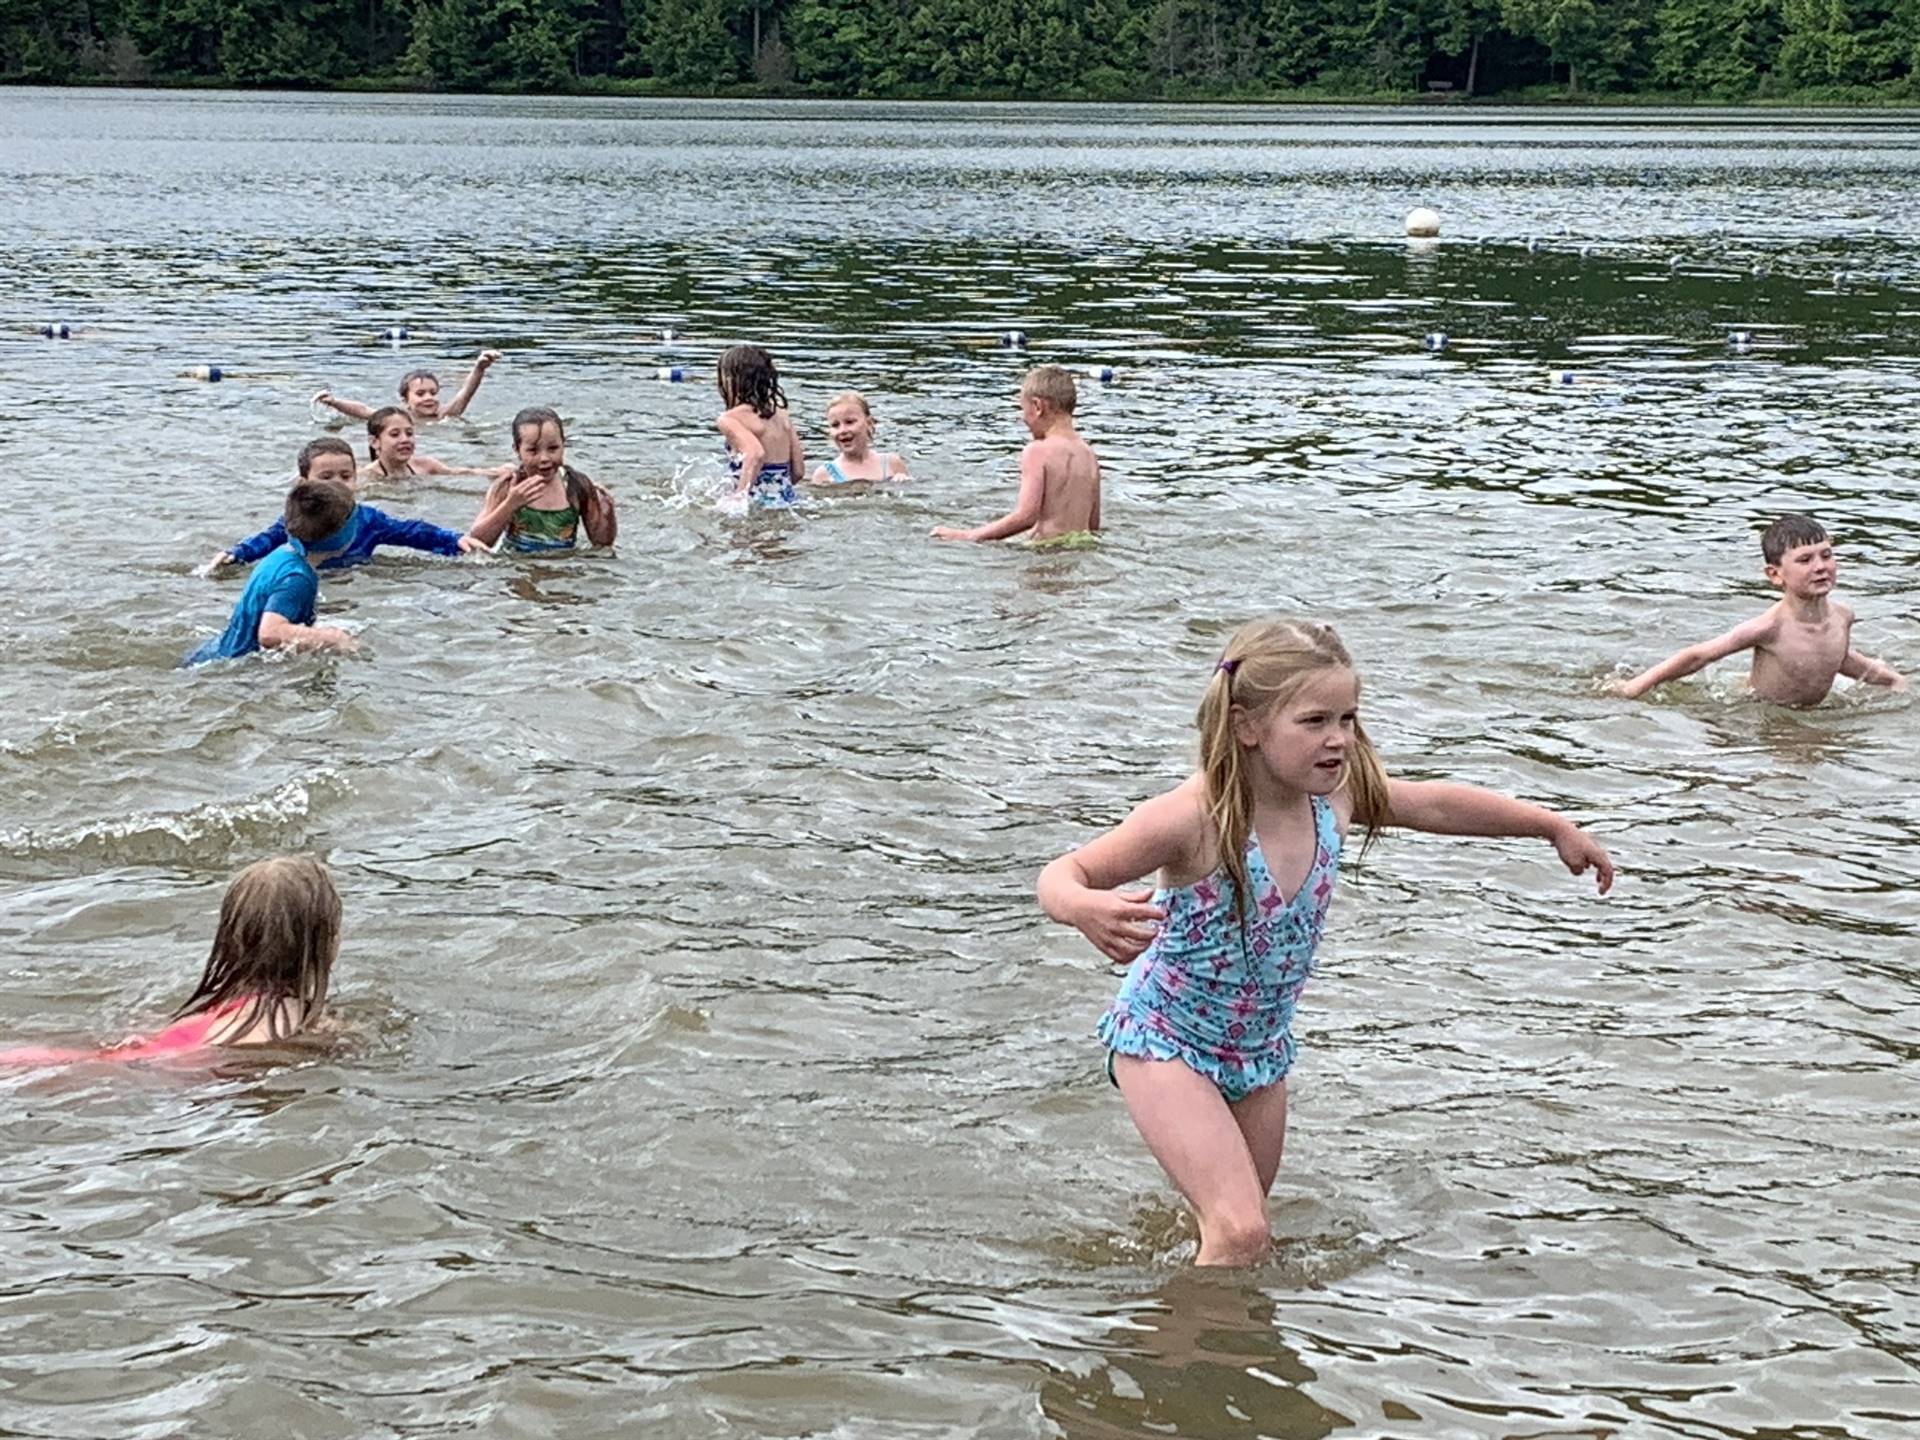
526,489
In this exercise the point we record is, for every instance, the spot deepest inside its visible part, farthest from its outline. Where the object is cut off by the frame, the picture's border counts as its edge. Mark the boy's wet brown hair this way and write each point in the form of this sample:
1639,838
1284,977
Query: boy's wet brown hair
274,948
326,445
317,508
1053,385
1790,532
406,380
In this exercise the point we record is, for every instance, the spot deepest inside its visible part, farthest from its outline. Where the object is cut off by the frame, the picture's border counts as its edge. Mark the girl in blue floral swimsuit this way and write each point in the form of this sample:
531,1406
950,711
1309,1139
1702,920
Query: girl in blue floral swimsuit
1200,1037
763,447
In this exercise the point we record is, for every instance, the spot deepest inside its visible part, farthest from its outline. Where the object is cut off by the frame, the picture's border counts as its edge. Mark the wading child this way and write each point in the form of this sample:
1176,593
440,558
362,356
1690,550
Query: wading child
1802,641
332,460
850,426
547,503
265,980
1059,473
1200,1036
276,610
391,454
420,394
763,447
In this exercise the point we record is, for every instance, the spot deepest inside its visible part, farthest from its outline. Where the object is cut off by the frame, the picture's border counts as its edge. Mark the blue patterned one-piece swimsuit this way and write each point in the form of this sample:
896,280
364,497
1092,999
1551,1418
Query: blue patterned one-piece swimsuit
1219,995
773,486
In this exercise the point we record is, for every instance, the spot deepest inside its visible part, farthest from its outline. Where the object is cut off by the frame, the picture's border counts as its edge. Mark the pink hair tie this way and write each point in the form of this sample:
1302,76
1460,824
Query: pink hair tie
1229,666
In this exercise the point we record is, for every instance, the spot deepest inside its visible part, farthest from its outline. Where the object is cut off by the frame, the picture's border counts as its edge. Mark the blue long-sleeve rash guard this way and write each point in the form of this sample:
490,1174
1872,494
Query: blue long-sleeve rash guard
376,528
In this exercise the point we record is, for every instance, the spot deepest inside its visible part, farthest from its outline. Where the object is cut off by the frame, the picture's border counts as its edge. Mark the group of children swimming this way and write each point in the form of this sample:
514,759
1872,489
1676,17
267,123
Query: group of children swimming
1245,851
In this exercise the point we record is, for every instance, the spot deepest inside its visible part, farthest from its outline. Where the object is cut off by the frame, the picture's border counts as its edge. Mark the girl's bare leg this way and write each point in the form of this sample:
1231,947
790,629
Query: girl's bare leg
1194,1135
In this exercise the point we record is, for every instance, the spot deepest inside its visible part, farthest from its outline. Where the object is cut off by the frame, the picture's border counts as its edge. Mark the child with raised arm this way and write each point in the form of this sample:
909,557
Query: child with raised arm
1059,473
1200,1039
547,503
265,980
1802,641
276,610
763,448
850,426
391,452
420,394
331,459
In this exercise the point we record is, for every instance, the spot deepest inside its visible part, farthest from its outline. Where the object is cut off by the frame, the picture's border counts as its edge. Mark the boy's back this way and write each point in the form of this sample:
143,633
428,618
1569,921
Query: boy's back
1070,483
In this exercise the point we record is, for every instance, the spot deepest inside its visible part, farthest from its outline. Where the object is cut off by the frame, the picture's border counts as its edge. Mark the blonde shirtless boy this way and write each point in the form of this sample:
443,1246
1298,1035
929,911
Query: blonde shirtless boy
1059,473
1799,644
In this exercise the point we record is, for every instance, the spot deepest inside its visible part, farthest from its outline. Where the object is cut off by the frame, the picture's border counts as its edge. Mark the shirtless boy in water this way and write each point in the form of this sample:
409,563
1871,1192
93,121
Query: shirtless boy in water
1059,473
1799,644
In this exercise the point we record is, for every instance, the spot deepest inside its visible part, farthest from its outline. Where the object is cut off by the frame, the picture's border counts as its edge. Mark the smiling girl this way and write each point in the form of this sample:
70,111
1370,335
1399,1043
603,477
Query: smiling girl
850,426
1200,1039
391,454
546,503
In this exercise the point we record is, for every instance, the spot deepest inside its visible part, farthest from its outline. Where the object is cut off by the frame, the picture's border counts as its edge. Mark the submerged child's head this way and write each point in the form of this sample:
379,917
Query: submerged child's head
274,949
1047,391
319,511
420,393
850,423
1282,709
747,377
1799,556
390,438
328,458
539,440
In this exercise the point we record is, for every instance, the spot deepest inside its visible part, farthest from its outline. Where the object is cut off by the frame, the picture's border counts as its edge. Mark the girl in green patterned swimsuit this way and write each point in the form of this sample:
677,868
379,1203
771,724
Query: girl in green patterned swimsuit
546,504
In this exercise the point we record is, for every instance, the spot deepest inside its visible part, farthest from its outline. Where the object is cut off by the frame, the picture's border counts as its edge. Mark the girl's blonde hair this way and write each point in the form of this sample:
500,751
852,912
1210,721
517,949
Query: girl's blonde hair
1265,664
851,397
279,931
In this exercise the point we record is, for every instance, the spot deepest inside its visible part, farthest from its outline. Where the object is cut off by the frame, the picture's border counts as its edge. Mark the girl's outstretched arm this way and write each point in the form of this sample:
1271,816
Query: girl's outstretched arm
458,405
1078,888
1443,809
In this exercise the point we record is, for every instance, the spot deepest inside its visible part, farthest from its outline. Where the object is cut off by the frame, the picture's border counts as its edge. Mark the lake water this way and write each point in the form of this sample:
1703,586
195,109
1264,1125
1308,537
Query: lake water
713,1071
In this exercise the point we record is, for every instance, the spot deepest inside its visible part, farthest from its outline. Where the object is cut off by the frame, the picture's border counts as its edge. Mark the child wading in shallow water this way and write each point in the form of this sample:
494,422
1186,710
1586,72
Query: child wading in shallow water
420,394
763,448
1200,1037
1059,473
265,980
547,503
391,454
850,426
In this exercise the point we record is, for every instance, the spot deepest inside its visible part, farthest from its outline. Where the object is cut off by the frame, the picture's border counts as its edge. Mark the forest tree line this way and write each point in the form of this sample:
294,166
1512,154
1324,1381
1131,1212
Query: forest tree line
1842,50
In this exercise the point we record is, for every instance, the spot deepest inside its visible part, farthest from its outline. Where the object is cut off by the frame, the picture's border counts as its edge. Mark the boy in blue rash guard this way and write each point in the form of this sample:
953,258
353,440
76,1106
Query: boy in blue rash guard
276,610
333,459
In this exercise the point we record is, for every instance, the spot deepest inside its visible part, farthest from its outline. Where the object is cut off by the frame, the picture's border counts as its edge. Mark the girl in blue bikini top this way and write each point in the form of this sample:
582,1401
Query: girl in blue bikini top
850,426
1200,1037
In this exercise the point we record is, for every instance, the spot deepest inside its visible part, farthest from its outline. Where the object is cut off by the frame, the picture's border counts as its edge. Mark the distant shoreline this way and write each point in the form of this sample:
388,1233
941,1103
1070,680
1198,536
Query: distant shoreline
1535,98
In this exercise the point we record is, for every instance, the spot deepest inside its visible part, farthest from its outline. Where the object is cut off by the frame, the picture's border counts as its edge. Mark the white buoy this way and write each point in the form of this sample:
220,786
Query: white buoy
1740,339
669,335
1535,244
395,333
1761,272
1102,373
212,373
672,374
56,331
1436,341
1422,223
1013,340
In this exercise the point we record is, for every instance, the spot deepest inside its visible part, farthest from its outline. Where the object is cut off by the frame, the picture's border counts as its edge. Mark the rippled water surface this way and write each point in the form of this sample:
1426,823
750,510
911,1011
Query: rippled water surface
712,1071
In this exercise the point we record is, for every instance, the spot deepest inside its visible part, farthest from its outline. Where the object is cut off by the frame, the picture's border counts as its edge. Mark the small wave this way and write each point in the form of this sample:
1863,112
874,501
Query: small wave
205,834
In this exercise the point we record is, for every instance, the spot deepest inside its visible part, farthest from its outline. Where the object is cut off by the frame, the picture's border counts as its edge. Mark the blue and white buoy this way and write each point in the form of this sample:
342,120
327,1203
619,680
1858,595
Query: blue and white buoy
56,331
1013,340
1739,340
1566,377
1102,373
394,333
211,373
672,374
669,335
1436,341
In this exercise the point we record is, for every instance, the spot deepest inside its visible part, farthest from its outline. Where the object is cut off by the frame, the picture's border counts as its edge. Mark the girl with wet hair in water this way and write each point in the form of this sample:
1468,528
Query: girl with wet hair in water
1200,1038
546,503
763,447
266,978
391,454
